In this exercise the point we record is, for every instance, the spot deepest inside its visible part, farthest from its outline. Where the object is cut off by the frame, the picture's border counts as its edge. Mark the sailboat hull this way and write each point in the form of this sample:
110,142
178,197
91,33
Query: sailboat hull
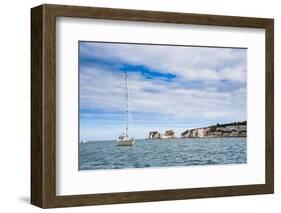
126,142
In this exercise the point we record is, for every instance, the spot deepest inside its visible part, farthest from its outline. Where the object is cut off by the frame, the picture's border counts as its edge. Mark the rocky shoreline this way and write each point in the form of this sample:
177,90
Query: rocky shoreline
235,129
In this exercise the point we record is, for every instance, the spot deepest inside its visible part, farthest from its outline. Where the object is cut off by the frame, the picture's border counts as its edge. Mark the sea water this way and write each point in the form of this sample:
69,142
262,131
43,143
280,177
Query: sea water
162,153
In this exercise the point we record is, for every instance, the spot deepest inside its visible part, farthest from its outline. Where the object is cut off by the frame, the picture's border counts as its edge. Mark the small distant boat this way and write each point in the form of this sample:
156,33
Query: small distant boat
124,139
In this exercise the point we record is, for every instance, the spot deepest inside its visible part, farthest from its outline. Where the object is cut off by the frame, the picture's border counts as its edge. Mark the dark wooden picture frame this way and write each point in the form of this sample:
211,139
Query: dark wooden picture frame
43,105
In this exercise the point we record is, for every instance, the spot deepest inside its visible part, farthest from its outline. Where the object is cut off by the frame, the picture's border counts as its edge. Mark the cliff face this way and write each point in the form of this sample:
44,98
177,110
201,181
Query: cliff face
236,129
226,130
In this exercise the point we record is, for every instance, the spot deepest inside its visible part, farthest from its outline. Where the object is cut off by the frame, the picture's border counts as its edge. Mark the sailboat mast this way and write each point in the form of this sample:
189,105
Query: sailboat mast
127,106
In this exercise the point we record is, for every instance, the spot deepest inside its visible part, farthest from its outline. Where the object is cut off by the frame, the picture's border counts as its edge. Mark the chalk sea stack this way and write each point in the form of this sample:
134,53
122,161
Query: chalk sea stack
154,135
169,134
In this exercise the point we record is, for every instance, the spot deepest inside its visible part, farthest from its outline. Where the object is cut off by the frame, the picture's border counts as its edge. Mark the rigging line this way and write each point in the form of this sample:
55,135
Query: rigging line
127,107
129,104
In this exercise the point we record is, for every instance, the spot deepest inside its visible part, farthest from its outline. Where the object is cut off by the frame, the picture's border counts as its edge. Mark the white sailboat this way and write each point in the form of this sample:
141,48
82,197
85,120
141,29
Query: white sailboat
124,139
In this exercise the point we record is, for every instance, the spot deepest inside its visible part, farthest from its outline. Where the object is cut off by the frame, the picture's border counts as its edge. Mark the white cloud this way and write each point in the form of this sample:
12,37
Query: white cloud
191,63
101,89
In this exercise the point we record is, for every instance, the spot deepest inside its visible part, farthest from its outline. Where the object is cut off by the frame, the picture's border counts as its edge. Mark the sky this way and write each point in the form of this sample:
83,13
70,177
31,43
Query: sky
170,87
